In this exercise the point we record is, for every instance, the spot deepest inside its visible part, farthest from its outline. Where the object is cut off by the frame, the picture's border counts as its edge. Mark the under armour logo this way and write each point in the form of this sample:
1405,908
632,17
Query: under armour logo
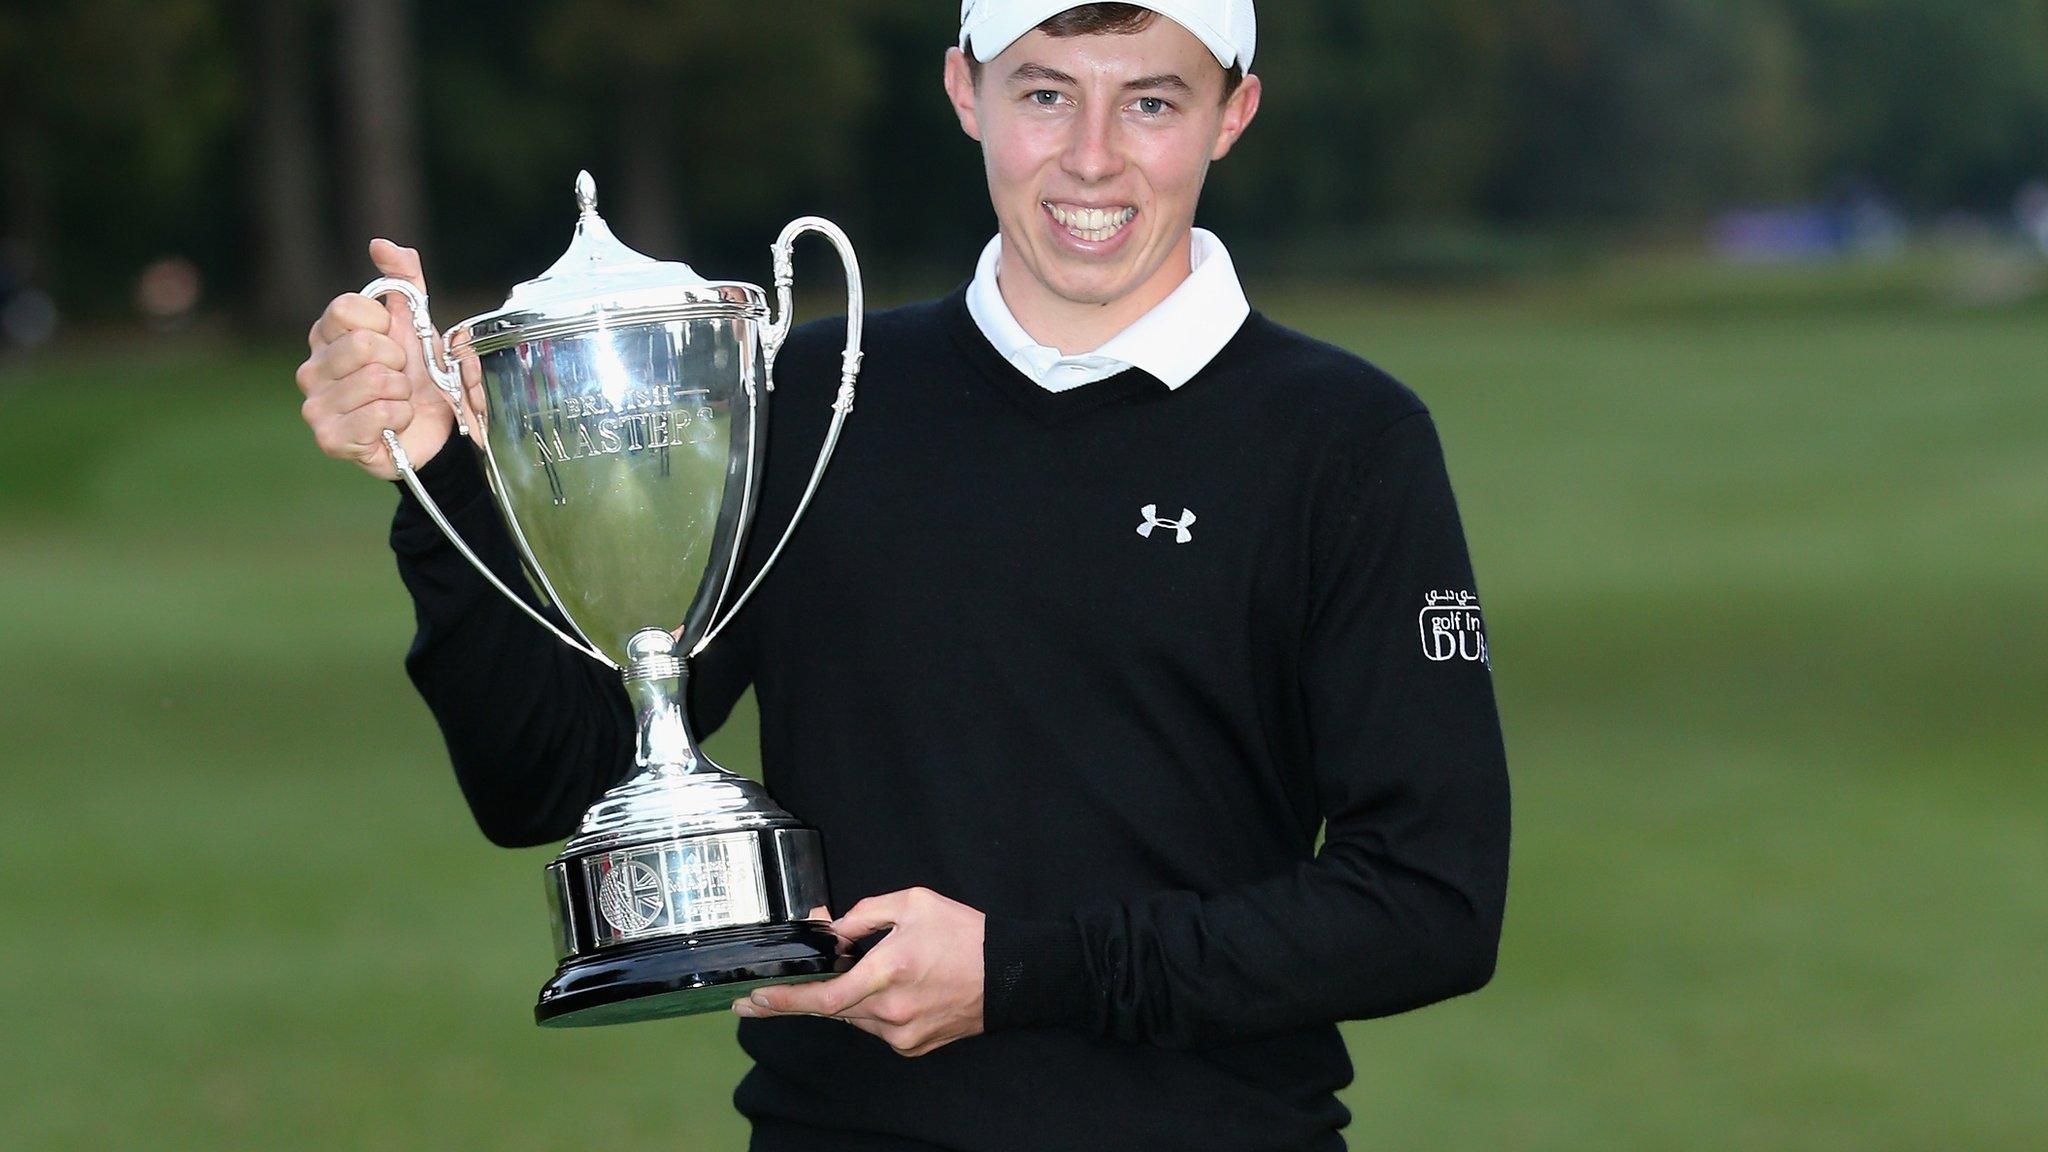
1180,527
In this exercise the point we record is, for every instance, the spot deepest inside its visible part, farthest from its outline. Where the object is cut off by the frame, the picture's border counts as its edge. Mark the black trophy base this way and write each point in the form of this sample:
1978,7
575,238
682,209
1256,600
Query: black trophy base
684,975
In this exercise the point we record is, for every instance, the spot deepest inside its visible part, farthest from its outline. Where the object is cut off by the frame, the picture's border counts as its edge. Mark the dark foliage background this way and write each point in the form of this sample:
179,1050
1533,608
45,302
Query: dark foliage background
264,140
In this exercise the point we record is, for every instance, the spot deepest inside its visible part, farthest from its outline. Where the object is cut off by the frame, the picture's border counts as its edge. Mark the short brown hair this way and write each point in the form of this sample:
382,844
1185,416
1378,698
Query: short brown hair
1104,20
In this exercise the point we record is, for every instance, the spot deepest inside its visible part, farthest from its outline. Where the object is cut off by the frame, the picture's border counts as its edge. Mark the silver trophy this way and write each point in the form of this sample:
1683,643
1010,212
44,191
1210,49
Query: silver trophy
619,407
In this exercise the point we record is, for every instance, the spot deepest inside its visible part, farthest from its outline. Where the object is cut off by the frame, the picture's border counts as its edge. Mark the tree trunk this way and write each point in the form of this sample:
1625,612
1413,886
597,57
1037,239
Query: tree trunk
24,189
292,278
379,103
650,214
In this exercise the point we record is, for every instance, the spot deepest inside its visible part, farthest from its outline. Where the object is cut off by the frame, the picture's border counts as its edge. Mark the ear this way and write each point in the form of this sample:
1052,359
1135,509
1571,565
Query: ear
960,91
1237,115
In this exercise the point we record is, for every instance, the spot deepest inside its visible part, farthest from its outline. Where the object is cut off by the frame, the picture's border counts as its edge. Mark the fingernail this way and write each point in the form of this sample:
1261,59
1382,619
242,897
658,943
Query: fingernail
743,1008
759,1000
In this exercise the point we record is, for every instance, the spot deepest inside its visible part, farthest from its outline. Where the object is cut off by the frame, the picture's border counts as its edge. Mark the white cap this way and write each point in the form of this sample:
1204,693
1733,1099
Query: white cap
1226,27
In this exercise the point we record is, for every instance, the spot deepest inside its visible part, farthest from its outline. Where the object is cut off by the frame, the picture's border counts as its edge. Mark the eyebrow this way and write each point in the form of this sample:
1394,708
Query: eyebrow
1167,81
1028,72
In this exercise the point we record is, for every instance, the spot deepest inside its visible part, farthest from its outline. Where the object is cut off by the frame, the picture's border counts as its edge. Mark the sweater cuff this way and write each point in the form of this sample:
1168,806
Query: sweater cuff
455,479
1034,975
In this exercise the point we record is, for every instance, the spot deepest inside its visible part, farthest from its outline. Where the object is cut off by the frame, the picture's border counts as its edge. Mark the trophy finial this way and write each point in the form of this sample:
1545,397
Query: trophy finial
586,280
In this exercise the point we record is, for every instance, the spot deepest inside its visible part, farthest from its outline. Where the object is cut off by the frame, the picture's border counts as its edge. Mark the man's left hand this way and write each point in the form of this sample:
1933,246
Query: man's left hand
919,989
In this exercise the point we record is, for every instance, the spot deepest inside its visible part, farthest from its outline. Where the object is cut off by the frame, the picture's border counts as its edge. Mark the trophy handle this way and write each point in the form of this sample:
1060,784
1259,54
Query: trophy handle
432,349
449,381
771,342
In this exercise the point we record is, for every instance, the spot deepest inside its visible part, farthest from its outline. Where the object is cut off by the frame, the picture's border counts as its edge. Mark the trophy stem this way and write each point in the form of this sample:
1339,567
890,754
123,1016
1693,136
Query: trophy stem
685,886
657,683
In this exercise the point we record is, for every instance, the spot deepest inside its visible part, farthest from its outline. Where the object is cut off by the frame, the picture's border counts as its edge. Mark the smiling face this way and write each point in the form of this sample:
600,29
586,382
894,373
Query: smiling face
1096,149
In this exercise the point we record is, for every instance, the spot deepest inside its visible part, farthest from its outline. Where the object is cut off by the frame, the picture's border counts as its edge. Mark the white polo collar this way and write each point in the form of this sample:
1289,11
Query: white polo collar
1174,341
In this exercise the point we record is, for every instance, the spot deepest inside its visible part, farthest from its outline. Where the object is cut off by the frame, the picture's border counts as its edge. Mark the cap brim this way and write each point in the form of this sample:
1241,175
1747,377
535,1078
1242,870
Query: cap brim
1012,22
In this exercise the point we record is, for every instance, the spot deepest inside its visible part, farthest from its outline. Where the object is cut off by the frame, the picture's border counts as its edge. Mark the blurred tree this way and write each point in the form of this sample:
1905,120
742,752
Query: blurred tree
24,172
379,103
133,129
1769,128
712,104
291,273
1631,110
1943,104
1380,119
117,113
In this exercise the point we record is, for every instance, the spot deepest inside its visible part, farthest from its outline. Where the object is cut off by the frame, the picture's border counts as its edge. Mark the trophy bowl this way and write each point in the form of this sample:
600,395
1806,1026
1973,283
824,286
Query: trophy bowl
619,404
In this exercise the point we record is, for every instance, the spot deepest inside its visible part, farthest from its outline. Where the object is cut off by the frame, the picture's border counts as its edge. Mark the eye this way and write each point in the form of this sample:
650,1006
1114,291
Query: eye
1153,105
1044,97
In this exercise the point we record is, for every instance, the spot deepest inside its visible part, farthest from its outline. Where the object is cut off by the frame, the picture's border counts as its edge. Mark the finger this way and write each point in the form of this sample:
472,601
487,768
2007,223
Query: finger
468,366
837,996
359,435
873,914
471,371
358,349
332,413
346,313
856,1014
404,263
364,385
832,997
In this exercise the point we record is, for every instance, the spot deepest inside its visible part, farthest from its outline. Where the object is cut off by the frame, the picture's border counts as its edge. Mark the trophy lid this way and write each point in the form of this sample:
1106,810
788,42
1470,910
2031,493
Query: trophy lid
600,283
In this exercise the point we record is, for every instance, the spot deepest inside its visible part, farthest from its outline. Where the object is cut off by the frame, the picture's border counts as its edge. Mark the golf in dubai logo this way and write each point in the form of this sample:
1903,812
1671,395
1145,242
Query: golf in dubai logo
1453,629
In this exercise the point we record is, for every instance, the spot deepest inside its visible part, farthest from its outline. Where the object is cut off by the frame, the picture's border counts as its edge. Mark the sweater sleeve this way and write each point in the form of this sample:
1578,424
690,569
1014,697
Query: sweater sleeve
535,730
1402,905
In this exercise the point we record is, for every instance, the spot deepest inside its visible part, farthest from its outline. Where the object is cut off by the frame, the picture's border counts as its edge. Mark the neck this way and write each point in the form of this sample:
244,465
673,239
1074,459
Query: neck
1075,327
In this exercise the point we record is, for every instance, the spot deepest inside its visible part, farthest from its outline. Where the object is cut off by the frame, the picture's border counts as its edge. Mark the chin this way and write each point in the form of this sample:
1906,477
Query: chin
1090,294
1093,289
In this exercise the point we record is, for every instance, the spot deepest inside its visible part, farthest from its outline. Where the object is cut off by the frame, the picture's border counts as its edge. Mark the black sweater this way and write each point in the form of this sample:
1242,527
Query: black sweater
976,674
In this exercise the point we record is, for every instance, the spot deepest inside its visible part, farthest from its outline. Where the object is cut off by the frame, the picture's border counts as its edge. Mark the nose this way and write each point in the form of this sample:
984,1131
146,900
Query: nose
1093,151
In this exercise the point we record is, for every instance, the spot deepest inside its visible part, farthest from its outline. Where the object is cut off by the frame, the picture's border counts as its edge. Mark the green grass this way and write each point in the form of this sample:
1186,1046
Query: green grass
1763,573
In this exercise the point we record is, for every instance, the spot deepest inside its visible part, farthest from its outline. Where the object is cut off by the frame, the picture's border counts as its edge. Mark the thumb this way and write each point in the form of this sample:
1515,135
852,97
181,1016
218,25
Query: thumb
398,260
404,263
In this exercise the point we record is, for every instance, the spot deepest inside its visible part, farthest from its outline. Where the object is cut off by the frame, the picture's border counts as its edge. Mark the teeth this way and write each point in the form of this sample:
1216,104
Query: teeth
1092,224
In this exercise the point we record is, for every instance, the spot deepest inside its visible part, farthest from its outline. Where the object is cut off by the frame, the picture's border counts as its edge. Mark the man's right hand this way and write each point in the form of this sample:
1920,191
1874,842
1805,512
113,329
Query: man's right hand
367,372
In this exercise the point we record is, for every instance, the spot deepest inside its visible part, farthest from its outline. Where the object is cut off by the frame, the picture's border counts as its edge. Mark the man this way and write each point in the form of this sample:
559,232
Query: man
1118,595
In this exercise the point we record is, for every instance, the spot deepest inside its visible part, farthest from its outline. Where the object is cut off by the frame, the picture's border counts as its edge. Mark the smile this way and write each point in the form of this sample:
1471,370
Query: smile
1091,224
